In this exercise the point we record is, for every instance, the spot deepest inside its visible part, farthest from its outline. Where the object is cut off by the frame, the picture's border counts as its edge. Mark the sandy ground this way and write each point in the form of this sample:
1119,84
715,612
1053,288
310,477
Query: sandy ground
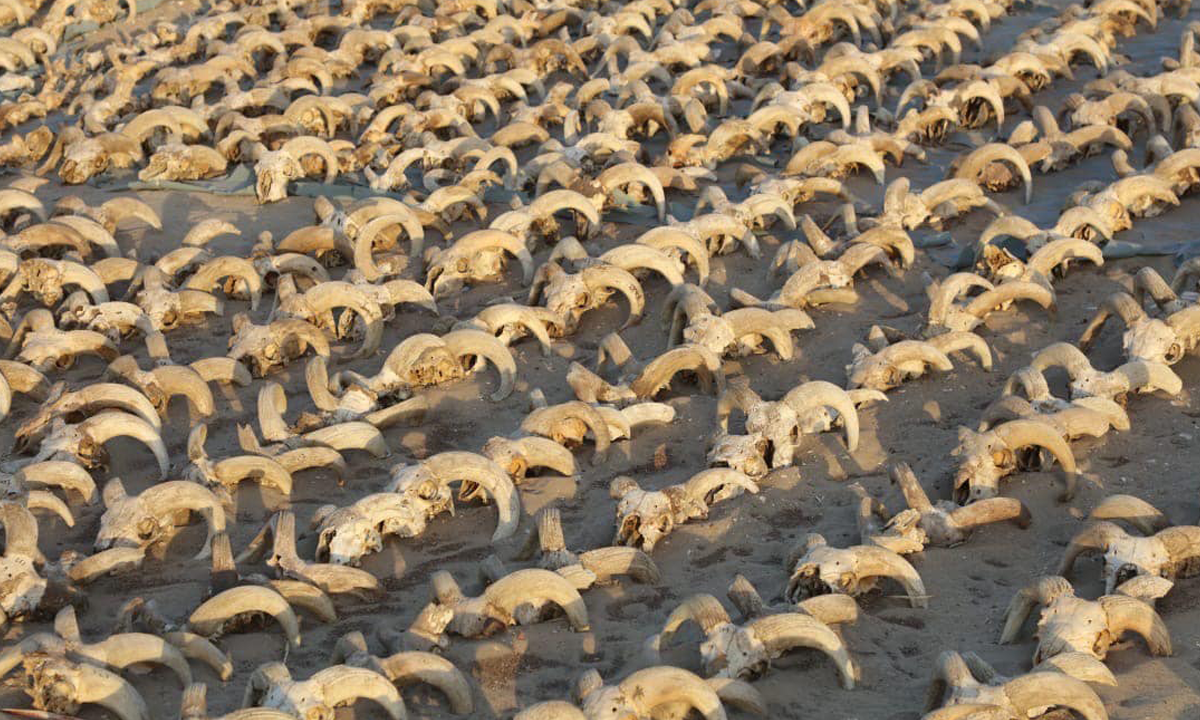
969,585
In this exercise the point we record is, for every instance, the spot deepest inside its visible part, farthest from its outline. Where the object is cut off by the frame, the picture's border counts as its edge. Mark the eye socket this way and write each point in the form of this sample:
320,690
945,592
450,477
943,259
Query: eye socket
1174,354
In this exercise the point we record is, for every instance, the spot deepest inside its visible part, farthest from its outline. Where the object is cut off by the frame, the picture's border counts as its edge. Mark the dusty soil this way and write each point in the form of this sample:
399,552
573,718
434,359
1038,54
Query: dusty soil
969,585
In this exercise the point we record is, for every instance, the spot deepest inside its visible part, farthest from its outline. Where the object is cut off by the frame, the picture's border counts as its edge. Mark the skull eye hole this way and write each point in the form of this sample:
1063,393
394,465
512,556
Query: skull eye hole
145,528
1174,354
461,265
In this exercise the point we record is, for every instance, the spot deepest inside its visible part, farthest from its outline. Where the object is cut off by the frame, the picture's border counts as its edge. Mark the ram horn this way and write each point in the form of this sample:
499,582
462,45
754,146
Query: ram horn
112,396
328,295
634,256
20,532
1114,415
781,632
967,711
11,199
1056,252
990,510
476,343
703,609
45,500
665,238
914,495
125,649
306,458
961,341
610,276
107,425
831,609
189,382
480,471
1182,543
363,243
1064,355
1023,433
608,562
1144,376
1096,538
739,695
98,686
209,274
174,496
306,596
876,561
1075,220
549,203
1042,591
343,684
542,421
771,325
218,611
1081,666
1010,292
24,379
1039,689
705,483
1129,190
113,560
316,379
975,163
1137,512
83,276
907,351
664,684
524,586
486,239
409,668
659,372
262,470
202,650
1126,614
942,295
1008,225
542,452
221,370
59,473
272,403
631,172
805,398
352,435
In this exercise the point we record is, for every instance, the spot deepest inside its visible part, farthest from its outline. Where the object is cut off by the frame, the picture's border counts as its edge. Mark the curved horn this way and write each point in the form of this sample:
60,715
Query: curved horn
880,562
663,684
110,424
1096,538
781,632
218,611
408,668
1126,614
524,586
1141,514
343,684
477,343
803,399
1039,689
